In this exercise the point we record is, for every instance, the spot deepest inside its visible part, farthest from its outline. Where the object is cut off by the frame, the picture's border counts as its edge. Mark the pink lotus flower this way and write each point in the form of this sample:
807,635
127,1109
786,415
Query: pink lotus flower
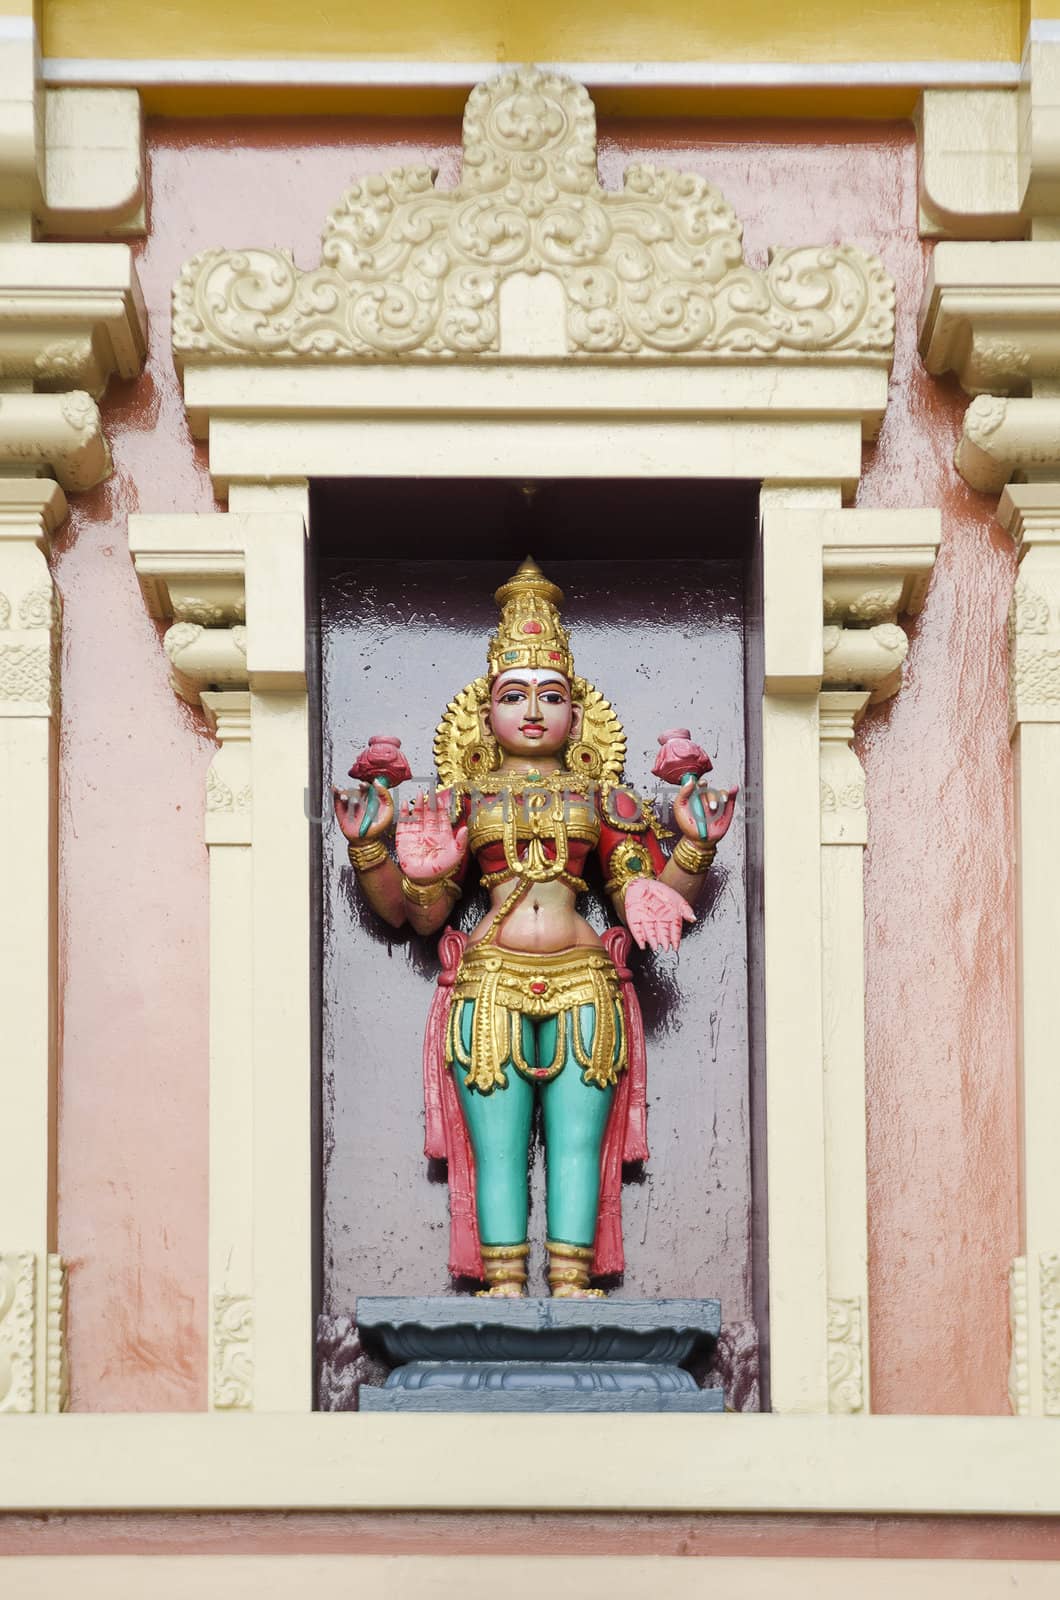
384,758
679,756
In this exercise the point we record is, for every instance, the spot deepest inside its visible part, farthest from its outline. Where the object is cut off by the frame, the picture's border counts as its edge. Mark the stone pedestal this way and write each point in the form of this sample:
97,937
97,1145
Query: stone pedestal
477,1354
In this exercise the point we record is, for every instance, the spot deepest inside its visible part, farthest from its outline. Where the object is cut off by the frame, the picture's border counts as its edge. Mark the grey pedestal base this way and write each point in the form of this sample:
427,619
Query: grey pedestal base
538,1355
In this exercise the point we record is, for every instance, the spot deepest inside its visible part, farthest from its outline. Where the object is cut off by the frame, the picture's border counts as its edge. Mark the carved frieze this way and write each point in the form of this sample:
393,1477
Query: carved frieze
1049,1292
233,1352
654,269
18,1313
845,1361
1019,1380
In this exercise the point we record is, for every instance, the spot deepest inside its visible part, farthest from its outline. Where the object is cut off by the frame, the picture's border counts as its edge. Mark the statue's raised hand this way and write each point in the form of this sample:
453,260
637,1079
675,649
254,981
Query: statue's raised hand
427,847
350,810
718,806
655,914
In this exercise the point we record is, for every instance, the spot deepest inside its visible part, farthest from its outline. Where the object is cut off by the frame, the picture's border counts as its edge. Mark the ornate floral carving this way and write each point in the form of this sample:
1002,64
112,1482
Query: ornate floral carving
80,411
38,608
1019,1381
997,363
221,797
983,417
845,1384
56,1382
1036,677
850,797
1030,609
233,1352
179,637
1049,1288
63,358
25,672
208,613
654,269
5,611
18,1273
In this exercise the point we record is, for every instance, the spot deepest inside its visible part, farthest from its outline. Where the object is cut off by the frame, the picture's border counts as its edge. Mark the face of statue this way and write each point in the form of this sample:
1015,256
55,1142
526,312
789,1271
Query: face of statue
531,712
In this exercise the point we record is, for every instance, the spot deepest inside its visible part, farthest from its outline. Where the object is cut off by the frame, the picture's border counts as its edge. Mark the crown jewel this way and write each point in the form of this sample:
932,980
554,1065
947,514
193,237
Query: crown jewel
529,633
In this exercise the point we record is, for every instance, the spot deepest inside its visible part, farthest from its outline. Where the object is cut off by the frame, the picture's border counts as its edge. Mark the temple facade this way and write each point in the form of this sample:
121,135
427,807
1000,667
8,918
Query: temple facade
744,320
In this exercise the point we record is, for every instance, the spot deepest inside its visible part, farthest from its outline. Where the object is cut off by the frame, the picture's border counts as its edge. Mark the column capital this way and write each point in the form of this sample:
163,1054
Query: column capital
31,508
1030,512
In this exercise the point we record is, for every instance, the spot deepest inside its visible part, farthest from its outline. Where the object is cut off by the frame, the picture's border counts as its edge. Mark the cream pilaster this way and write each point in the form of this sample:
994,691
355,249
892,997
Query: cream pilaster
205,575
32,1284
1031,513
228,833
71,315
834,583
844,833
279,722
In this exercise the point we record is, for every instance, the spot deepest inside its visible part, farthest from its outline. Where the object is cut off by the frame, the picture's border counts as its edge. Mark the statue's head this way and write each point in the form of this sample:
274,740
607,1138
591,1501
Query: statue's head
532,711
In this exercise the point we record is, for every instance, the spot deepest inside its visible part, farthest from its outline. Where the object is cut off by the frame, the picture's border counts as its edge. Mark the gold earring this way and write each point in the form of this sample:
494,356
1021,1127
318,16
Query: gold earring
481,757
584,759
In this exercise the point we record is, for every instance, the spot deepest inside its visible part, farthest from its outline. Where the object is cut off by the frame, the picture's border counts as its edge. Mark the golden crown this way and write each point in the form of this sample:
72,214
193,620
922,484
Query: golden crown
529,633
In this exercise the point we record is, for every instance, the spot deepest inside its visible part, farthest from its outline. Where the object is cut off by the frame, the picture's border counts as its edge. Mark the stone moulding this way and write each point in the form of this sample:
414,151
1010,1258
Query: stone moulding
71,315
653,270
991,314
61,431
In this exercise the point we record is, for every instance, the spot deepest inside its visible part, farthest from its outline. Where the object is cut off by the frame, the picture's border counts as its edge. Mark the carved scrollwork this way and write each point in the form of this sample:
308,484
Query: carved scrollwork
846,1391
850,797
233,1352
5,611
410,270
1030,608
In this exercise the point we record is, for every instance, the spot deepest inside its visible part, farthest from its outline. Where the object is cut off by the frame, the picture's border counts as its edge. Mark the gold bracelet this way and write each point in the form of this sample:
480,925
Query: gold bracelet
692,857
429,893
366,857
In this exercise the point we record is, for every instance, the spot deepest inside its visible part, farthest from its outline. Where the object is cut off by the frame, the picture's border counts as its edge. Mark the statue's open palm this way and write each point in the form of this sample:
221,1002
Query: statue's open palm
655,914
427,847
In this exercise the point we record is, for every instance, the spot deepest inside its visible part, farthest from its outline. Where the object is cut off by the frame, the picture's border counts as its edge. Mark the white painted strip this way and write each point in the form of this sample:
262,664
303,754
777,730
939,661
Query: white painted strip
357,74
1045,32
16,28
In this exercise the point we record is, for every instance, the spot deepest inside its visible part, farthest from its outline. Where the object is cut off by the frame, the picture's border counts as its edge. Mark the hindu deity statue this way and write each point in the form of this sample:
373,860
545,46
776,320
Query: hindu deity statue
533,1004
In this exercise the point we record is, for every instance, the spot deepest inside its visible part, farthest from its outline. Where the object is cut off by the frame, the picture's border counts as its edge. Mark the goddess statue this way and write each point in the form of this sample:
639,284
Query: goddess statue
533,1003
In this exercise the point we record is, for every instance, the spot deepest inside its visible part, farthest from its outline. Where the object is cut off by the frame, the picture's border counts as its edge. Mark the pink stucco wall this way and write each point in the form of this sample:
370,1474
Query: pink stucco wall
939,905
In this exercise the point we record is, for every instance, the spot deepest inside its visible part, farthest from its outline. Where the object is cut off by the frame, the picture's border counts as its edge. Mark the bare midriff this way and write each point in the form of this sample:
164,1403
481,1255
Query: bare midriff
545,919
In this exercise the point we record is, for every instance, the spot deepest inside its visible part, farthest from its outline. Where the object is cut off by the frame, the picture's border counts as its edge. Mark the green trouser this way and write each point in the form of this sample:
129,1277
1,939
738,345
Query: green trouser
575,1116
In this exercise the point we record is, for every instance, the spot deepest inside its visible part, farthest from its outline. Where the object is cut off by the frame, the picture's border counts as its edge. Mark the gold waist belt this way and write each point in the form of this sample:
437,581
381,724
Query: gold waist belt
508,985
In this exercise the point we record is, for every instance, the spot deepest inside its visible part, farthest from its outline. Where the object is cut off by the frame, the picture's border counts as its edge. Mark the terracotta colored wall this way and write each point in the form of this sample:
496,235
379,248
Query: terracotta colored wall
942,1148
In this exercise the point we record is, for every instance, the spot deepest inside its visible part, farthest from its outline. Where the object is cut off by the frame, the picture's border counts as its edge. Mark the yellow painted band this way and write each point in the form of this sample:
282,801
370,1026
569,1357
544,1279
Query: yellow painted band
463,30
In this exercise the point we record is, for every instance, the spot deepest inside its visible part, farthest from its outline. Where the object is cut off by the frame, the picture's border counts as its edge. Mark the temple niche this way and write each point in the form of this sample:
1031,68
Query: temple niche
399,639
529,363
